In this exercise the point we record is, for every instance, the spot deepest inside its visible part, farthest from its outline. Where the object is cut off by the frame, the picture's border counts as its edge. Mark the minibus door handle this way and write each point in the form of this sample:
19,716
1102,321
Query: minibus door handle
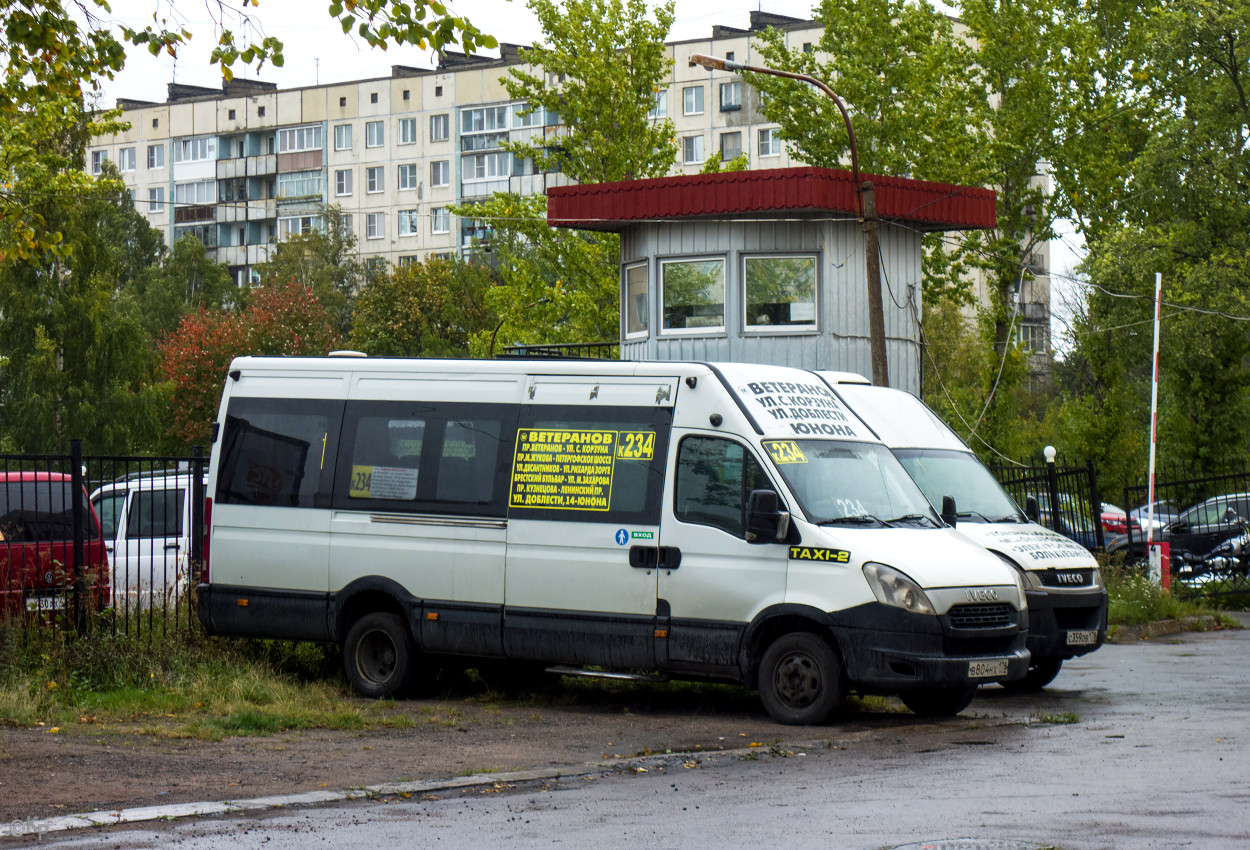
670,557
644,557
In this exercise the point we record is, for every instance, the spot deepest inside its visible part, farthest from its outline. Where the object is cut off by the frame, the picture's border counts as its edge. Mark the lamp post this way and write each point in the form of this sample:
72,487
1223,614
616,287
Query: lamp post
866,203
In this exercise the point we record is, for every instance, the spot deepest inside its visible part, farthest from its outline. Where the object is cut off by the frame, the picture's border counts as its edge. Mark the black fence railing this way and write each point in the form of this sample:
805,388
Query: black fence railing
1067,498
127,548
580,350
1205,522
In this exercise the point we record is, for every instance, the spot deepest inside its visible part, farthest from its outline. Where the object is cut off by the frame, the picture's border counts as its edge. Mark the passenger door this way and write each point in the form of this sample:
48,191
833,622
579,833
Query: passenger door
722,580
148,551
584,507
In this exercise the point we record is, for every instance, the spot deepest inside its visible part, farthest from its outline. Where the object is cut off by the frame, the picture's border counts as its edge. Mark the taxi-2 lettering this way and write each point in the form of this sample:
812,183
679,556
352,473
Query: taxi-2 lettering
809,553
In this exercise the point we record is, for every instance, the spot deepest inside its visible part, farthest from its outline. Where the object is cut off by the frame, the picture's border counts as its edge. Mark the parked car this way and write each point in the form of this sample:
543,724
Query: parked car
1073,521
1197,531
146,520
1164,513
1115,520
37,544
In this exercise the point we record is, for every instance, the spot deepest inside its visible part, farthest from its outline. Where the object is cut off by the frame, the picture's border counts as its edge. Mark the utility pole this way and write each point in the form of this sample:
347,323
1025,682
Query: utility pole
867,210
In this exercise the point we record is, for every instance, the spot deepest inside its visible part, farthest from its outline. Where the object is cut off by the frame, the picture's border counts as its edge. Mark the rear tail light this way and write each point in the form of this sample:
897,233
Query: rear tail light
208,535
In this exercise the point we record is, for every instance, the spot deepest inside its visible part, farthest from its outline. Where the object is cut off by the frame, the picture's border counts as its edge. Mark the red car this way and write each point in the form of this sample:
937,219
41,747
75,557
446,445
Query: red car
1115,520
37,545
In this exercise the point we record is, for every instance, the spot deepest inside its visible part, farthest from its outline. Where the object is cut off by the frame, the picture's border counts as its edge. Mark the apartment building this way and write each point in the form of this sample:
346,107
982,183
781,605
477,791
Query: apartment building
245,166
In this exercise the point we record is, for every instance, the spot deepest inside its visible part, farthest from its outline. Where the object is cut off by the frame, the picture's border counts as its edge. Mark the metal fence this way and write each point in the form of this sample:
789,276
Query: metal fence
126,550
1067,498
1205,521
579,350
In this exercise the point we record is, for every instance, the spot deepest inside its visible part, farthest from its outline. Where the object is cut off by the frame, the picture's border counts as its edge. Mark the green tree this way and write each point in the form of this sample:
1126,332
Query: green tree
428,309
325,260
185,280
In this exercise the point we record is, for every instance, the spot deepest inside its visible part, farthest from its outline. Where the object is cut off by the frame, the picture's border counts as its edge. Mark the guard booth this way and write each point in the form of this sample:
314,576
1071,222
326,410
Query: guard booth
769,266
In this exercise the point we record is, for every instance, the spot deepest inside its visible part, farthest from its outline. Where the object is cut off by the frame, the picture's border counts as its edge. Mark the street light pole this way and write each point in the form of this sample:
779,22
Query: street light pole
866,203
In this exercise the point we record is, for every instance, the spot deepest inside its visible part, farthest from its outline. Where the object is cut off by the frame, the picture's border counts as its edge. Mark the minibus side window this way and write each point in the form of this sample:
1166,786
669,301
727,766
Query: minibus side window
424,457
714,478
278,452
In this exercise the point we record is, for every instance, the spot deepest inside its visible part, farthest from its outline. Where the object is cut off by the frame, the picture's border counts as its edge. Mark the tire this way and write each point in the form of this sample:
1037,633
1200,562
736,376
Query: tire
1040,674
800,680
379,656
938,702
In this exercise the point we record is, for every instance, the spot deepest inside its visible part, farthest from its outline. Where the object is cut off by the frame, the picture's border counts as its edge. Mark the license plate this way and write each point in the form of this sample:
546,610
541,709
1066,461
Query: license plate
1082,638
987,669
45,603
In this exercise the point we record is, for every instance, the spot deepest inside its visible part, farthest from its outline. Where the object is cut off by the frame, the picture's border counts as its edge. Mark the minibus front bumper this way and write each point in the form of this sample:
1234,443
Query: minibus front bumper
1066,624
888,649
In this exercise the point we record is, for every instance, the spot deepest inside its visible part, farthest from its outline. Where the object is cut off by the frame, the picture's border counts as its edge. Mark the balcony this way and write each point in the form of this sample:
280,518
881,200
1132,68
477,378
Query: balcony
192,214
247,211
244,255
247,166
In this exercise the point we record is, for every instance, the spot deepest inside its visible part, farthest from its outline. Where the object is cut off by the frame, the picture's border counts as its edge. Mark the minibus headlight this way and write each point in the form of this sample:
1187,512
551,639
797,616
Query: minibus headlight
892,587
1023,602
1095,578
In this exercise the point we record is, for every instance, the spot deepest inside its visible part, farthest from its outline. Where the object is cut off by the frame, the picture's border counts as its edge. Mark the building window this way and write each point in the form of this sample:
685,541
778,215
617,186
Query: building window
406,95
373,97
409,222
375,134
97,160
438,91
156,199
195,150
298,225
779,291
156,156
440,127
409,259
770,142
407,131
440,220
693,294
1033,338
440,173
195,192
692,149
373,179
342,102
523,115
343,182
299,184
260,111
375,225
731,96
230,113
660,108
342,137
730,145
156,122
637,301
807,47
491,118
126,159
300,139
487,166
408,177
692,100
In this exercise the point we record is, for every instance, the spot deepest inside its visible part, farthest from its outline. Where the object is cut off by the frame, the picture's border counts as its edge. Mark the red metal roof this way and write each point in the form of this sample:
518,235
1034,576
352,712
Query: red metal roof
611,206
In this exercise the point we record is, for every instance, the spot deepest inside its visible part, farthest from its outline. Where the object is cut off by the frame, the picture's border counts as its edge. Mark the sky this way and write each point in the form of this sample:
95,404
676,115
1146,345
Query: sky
316,51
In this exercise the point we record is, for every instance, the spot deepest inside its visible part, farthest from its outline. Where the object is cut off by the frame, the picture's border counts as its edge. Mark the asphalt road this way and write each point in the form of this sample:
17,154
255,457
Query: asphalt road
1138,746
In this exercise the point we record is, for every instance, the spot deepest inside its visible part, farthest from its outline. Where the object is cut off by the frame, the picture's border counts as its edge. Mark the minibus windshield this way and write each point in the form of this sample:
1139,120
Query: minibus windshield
946,472
850,483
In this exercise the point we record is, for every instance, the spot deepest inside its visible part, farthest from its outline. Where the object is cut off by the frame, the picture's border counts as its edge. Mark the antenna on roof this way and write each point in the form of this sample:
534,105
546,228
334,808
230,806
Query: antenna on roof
317,72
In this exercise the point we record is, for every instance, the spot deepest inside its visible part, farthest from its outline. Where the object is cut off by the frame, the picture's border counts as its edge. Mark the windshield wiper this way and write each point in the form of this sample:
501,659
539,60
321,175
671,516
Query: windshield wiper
1009,518
912,518
857,519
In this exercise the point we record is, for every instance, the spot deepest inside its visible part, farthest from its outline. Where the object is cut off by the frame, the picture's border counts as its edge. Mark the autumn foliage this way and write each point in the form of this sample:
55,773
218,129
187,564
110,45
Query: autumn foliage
282,319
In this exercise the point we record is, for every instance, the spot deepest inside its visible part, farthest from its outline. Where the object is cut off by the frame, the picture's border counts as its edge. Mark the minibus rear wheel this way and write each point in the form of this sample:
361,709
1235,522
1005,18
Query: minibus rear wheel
801,681
1041,673
945,701
378,655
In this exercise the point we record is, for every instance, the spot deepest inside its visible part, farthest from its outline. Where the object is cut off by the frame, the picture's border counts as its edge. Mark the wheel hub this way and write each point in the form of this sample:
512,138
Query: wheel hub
798,680
376,656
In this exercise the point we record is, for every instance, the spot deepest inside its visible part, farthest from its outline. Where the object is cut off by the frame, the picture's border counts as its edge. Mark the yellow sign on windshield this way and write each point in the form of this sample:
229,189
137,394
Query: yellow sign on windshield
785,451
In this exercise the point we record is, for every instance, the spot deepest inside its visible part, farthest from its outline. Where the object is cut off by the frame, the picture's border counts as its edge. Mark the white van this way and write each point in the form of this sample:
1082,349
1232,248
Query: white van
721,522
1067,599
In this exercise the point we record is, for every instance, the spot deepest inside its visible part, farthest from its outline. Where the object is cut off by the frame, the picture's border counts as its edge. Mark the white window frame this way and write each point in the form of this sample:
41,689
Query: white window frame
300,184
735,101
700,152
440,127
126,159
692,100
375,225
192,193
794,328
156,199
440,173
407,170
659,109
342,137
721,145
375,134
628,304
342,182
521,120
707,330
409,222
375,179
773,148
406,131
156,153
488,164
440,220
97,161
195,149
298,139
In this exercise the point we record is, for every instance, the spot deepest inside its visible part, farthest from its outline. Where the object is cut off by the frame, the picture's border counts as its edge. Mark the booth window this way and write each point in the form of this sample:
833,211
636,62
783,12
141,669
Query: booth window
779,292
694,294
637,311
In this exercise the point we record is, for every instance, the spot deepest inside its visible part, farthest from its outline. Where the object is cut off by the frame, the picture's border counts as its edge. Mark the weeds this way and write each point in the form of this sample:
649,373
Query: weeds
1134,599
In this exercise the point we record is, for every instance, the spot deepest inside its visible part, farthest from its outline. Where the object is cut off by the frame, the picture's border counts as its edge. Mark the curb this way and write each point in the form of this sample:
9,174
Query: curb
1162,628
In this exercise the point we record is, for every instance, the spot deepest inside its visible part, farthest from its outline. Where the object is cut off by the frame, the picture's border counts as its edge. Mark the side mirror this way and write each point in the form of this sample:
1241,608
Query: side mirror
1030,509
949,515
766,521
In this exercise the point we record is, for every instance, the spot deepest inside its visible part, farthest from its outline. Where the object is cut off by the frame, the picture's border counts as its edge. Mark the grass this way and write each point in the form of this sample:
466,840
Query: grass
1134,600
1059,718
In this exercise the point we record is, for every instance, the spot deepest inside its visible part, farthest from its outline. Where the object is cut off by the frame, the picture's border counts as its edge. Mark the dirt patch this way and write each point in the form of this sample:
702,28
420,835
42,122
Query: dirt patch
90,767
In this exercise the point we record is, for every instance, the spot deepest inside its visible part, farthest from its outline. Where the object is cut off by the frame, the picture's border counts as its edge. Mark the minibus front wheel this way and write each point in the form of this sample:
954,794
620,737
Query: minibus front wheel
801,681
379,655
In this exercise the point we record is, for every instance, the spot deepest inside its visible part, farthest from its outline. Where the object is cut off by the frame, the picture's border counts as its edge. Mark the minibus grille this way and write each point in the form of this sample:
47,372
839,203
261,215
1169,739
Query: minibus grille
994,615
